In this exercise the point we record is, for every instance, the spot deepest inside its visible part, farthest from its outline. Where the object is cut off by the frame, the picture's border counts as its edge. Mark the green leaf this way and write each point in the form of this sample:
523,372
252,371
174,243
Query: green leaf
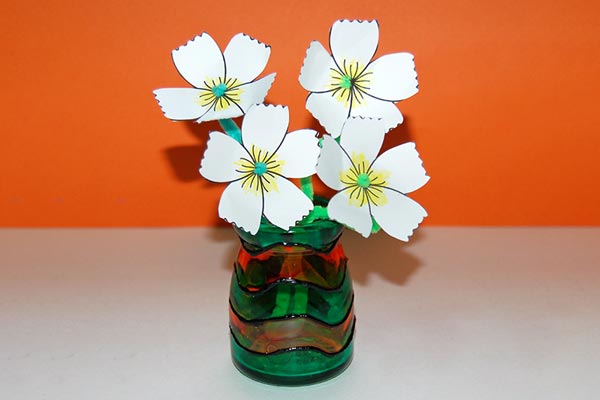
319,212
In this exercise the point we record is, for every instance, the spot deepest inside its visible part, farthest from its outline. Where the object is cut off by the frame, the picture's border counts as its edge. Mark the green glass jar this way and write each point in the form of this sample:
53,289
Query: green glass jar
291,304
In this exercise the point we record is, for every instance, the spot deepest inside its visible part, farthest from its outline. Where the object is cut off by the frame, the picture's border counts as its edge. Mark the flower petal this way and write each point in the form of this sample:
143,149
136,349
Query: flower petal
286,204
245,57
265,127
315,75
212,114
406,168
399,216
374,108
330,112
332,162
253,93
363,136
241,207
357,218
198,60
299,152
180,104
394,77
218,163
354,41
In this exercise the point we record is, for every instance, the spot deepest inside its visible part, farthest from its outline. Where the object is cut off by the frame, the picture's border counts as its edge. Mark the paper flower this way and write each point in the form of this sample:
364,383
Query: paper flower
257,169
224,85
371,187
348,83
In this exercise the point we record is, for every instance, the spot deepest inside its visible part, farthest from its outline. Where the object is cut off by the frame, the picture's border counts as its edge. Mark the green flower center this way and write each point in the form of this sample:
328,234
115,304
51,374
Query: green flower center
346,82
219,90
260,168
363,181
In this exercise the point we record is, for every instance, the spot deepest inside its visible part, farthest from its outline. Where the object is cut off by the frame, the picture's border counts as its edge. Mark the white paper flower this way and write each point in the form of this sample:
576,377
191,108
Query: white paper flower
371,187
224,85
257,169
349,83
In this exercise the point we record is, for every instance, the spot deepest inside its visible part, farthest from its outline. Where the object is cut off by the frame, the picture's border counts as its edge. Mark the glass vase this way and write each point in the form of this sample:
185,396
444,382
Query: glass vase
291,305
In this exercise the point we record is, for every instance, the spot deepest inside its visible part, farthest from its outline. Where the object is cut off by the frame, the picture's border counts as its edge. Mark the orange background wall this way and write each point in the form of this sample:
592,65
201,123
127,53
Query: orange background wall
507,119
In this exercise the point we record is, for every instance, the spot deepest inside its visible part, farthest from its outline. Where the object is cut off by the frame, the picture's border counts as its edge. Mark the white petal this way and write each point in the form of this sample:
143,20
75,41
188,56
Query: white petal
363,136
253,93
330,112
241,207
399,216
405,167
211,114
394,77
264,127
332,162
355,217
198,60
374,108
315,75
245,57
354,41
286,205
299,152
218,163
180,104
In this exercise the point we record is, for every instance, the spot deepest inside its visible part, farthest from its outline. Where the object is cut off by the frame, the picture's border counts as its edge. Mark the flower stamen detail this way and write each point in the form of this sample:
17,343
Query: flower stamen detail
365,185
219,93
350,83
260,171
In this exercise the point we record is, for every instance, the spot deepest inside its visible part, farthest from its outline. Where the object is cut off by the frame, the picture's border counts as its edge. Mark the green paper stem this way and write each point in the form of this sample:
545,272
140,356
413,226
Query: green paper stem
376,228
306,185
231,129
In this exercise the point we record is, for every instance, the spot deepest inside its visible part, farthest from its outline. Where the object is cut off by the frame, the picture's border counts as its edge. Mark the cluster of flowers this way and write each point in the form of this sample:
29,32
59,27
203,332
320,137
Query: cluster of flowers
352,96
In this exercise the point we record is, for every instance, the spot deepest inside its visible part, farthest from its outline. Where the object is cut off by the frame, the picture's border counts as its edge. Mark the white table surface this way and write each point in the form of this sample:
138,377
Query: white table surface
458,313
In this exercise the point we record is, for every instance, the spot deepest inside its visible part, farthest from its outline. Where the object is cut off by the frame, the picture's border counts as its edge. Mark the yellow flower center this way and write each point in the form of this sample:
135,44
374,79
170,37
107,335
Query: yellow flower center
219,94
364,185
350,83
260,171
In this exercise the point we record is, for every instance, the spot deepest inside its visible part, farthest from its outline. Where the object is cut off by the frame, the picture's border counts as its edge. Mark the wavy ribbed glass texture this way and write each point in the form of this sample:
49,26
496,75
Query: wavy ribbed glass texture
291,305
